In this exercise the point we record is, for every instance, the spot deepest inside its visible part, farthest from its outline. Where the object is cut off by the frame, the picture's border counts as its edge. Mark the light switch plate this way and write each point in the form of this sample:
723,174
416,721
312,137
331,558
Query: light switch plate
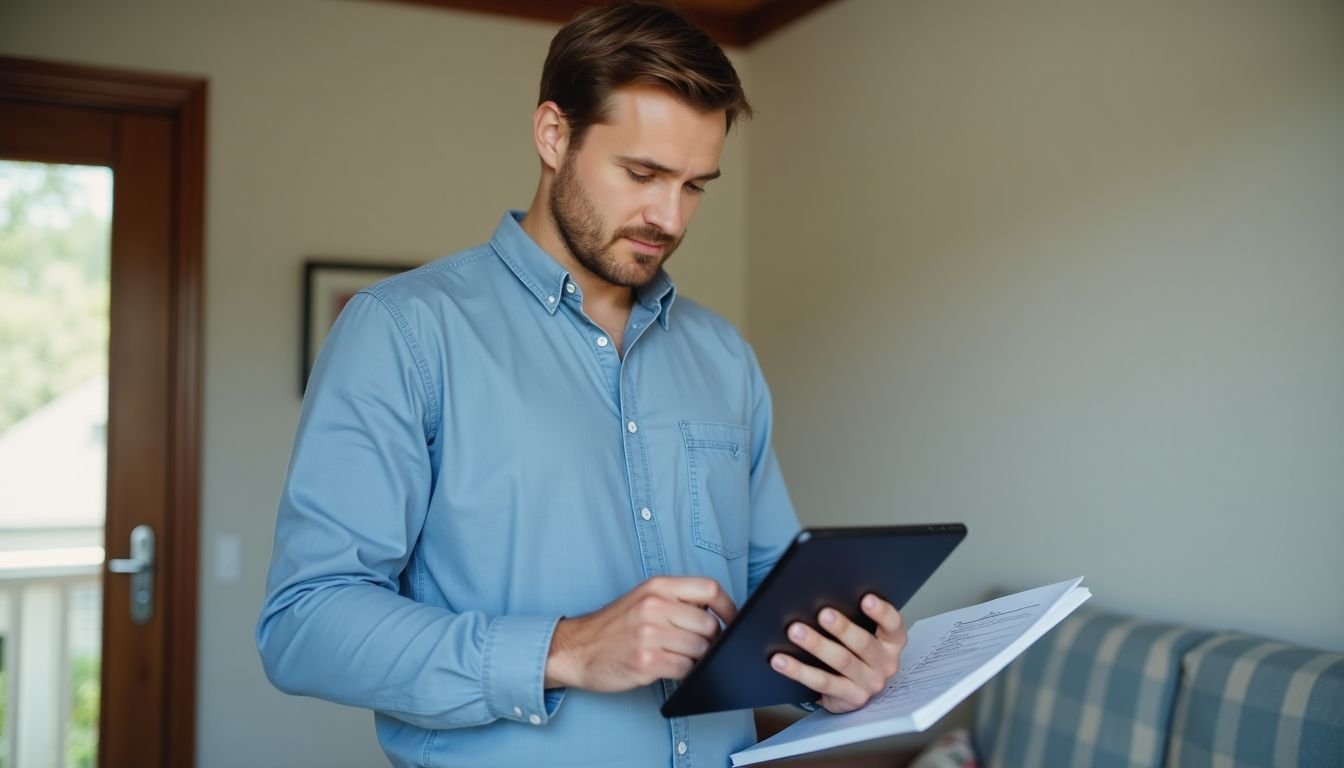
228,558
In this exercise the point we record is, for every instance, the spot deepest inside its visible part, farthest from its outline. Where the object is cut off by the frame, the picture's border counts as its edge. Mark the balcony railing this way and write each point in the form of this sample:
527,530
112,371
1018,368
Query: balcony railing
50,657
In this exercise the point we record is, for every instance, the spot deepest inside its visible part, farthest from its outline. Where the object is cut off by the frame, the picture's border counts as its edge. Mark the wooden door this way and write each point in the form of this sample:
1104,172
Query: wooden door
150,131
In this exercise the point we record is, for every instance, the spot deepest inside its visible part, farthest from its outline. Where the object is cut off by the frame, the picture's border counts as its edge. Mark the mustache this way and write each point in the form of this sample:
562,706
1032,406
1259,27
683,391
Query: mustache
647,234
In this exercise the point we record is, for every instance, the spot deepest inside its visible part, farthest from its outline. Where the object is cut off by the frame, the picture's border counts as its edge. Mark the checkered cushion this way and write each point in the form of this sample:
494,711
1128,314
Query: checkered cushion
1097,691
1246,701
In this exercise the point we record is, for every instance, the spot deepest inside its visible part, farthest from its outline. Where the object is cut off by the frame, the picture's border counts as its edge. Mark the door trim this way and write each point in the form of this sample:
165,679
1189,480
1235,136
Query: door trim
183,100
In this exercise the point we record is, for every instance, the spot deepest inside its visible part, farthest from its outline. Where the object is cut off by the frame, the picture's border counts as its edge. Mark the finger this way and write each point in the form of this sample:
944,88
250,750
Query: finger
677,667
703,592
719,601
653,665
838,706
881,652
858,640
890,624
653,613
692,618
824,683
656,628
682,643
848,662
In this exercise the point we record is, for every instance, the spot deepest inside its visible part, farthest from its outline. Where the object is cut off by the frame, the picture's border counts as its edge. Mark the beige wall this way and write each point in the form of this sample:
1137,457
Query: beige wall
1069,272
339,129
1072,273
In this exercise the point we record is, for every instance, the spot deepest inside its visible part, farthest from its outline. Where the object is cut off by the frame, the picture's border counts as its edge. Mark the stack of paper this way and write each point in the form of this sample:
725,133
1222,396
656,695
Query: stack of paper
947,658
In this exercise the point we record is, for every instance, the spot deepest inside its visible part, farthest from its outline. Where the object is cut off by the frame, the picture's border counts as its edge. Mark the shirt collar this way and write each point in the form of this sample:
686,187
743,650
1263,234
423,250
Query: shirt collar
545,278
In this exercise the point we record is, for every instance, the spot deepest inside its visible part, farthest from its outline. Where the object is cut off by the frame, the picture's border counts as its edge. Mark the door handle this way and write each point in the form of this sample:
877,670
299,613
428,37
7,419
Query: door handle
140,567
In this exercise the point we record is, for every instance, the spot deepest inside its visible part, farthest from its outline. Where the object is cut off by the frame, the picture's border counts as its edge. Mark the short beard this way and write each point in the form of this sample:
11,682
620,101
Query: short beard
583,232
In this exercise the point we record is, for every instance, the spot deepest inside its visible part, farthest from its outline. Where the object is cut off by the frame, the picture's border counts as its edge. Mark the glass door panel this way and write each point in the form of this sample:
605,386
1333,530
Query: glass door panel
55,262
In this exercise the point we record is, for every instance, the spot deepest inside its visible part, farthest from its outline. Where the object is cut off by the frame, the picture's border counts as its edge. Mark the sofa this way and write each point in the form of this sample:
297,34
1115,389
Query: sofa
1103,689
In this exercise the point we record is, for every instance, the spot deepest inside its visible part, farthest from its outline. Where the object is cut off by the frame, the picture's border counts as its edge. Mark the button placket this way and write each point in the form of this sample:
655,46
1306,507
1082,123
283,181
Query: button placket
681,740
638,476
646,527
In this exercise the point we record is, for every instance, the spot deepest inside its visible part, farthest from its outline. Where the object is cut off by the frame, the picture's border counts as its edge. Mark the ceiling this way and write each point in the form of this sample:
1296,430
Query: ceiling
731,22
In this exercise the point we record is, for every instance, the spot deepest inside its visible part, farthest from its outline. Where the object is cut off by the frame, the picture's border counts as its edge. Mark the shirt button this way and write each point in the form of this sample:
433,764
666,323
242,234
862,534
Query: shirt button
569,287
550,299
534,719
517,711
681,747
645,513
601,341
630,425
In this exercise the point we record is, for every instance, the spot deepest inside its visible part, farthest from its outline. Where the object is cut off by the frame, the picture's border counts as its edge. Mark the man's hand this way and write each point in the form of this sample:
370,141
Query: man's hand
656,630
865,661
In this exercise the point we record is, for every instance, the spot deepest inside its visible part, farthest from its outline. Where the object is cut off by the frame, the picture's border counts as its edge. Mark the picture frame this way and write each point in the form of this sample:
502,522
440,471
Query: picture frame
327,286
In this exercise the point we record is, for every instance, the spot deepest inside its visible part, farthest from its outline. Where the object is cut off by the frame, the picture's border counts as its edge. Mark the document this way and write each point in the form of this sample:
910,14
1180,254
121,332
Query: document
946,659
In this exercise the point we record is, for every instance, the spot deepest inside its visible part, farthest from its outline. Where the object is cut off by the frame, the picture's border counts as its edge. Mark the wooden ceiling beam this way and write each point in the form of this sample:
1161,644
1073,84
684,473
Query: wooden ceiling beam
731,29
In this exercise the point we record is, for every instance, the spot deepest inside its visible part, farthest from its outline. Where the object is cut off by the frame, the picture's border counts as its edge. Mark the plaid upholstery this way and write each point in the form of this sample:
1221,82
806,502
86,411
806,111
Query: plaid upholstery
1246,701
1097,690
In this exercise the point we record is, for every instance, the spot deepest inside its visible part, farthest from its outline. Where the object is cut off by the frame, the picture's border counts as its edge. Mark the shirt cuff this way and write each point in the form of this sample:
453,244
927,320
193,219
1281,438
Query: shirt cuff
514,669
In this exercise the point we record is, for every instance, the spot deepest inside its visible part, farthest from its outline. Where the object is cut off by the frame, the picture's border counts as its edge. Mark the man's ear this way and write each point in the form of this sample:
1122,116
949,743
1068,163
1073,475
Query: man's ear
550,132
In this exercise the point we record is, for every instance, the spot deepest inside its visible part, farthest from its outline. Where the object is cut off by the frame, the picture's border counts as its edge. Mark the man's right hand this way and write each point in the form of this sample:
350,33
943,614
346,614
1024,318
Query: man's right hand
656,630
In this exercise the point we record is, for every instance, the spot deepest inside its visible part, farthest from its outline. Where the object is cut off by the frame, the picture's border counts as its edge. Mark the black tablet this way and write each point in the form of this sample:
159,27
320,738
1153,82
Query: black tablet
823,567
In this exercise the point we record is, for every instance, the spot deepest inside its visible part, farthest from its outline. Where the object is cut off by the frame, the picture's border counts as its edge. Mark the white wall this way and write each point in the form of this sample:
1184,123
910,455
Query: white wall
1072,273
347,129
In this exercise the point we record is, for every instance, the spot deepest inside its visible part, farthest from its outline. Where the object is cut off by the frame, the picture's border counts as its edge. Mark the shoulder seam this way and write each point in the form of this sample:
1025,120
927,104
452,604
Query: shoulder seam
432,414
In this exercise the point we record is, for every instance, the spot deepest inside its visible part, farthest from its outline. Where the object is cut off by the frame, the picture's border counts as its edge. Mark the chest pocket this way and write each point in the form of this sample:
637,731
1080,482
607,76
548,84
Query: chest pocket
718,460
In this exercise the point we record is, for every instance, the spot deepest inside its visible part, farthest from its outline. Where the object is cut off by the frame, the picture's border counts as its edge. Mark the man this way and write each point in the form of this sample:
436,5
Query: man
530,479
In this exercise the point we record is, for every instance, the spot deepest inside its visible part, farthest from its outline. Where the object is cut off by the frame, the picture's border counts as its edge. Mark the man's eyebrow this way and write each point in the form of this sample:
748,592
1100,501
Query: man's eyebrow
652,165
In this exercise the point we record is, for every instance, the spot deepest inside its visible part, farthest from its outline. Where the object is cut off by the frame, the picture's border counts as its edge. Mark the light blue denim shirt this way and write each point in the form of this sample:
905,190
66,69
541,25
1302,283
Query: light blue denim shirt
475,461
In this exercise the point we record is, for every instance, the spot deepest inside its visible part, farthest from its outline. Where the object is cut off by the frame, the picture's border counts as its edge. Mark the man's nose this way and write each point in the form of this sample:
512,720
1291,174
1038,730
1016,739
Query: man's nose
666,212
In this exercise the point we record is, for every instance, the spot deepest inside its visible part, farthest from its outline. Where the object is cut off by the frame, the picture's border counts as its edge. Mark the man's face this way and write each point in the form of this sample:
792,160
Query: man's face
623,199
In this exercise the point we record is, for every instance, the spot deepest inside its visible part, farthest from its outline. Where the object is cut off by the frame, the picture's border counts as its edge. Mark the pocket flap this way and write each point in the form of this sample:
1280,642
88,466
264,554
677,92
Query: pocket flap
712,434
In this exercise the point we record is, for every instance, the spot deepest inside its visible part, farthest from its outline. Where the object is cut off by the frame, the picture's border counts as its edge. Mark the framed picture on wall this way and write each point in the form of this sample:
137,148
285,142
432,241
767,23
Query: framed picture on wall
327,286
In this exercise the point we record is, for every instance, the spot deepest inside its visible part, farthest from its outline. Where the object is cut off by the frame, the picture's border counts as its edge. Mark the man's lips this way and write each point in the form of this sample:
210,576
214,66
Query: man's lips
646,248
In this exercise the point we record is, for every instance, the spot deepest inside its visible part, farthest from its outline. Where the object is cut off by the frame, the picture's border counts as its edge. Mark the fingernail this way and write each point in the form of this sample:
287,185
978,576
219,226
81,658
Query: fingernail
797,632
778,663
870,603
828,617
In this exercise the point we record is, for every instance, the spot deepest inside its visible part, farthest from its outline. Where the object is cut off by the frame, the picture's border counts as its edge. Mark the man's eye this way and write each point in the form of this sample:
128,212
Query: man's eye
640,178
696,189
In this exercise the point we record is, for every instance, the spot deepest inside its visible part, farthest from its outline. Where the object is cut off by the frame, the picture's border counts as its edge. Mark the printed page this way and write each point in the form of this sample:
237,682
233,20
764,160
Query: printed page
953,646
947,658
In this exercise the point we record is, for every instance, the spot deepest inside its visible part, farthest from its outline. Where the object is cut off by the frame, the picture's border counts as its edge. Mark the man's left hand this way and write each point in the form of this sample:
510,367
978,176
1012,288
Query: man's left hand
865,661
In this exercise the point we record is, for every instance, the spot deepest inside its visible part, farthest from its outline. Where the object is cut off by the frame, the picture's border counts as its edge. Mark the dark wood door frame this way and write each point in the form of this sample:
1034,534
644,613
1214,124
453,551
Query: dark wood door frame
181,102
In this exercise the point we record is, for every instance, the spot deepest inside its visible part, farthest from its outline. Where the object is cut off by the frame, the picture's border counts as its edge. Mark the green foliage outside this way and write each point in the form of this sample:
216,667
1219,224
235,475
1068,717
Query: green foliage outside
81,746
54,288
4,704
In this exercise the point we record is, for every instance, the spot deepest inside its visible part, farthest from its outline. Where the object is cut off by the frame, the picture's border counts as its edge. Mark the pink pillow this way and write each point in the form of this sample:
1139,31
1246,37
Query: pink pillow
951,750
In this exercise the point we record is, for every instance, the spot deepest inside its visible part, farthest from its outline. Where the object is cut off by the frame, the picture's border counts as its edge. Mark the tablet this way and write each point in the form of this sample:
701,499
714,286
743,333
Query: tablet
823,567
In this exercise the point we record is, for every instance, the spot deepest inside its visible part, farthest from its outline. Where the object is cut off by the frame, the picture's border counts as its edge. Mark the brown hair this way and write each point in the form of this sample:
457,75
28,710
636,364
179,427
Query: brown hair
604,49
